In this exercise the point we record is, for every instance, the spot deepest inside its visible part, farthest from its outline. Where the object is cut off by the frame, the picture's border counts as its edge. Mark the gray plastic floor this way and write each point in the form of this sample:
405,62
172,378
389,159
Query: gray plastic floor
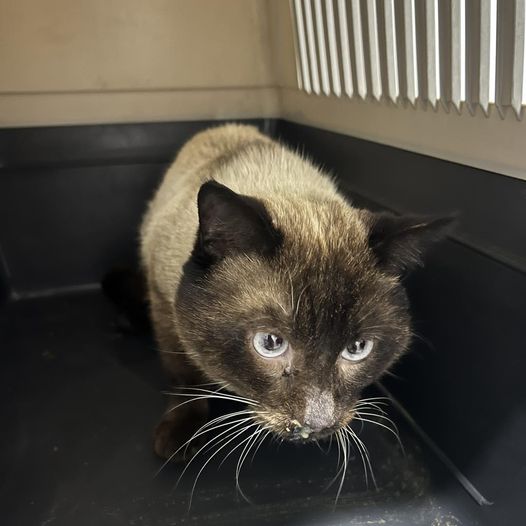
79,403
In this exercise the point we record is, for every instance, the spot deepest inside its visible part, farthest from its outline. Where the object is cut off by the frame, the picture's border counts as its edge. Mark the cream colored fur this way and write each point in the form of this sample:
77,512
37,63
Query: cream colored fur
301,200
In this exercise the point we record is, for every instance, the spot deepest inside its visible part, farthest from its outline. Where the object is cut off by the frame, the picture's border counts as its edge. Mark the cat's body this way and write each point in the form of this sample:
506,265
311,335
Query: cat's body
285,254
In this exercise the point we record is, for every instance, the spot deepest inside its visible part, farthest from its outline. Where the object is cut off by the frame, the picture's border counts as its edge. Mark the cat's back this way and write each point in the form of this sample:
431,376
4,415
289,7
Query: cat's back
237,156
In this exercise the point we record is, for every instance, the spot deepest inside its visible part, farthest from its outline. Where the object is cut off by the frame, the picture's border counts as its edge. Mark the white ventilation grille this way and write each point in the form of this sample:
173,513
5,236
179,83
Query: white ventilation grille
457,53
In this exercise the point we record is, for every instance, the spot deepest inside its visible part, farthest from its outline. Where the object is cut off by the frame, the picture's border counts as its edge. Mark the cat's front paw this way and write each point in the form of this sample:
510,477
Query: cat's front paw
168,443
171,437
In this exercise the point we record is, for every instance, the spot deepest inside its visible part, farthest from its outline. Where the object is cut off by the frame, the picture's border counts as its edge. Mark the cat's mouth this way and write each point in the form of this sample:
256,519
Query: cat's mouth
297,432
293,430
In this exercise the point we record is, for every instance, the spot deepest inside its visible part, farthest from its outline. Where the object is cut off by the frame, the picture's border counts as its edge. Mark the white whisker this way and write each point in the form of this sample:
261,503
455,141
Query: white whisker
217,439
291,294
394,432
269,431
318,445
221,383
298,301
202,431
345,452
338,467
216,443
242,457
205,397
210,392
352,435
232,450
369,405
213,455
384,399
209,426
382,416
364,453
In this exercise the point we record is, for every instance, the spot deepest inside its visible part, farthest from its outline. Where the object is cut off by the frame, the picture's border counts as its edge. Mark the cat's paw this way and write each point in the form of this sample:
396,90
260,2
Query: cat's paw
171,437
168,443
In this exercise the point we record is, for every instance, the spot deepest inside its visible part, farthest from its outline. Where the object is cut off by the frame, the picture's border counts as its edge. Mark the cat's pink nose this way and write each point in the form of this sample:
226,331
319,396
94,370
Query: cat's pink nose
319,410
320,422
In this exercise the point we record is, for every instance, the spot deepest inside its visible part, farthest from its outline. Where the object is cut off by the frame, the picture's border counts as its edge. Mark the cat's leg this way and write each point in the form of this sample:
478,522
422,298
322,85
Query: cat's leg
182,417
178,424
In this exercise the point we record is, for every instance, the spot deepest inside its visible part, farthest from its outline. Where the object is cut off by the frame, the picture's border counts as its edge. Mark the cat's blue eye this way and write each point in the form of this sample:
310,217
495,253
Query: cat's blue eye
269,345
358,350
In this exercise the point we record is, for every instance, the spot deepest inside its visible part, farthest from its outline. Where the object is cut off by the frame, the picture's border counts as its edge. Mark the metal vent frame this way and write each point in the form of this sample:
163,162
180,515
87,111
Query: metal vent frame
457,54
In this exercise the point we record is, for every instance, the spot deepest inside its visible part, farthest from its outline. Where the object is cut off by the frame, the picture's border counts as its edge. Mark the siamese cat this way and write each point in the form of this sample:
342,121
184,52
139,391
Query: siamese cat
263,277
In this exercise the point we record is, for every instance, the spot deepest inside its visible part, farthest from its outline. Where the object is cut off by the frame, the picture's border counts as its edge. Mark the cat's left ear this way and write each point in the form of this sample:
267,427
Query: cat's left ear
399,242
230,223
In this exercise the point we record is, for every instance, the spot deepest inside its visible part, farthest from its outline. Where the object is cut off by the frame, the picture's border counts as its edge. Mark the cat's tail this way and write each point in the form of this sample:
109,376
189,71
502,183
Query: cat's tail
126,289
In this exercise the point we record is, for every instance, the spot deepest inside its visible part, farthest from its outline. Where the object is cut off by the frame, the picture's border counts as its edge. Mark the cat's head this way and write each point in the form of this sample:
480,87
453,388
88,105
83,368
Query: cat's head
298,305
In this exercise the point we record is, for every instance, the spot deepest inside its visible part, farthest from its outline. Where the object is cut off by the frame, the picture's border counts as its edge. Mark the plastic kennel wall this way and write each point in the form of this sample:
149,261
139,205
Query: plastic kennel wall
414,106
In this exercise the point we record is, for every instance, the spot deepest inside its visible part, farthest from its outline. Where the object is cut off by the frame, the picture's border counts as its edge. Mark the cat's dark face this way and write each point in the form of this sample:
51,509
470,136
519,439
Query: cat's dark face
298,318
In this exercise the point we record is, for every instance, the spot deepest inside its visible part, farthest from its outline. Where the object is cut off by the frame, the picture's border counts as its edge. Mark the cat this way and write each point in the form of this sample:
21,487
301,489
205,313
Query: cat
261,276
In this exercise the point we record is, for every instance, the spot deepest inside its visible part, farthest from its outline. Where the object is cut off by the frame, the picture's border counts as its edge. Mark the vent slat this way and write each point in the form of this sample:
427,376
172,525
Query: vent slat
488,52
450,53
374,49
346,58
302,46
333,49
518,88
411,60
432,52
391,50
359,52
297,59
320,32
458,52
311,41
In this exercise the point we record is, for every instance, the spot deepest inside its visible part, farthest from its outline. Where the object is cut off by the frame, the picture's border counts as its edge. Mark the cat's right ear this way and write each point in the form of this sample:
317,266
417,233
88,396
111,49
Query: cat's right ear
231,223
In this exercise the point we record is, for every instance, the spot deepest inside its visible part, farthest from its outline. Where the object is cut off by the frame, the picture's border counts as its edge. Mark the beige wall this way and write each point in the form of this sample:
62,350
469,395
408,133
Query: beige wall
282,43
95,61
67,61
